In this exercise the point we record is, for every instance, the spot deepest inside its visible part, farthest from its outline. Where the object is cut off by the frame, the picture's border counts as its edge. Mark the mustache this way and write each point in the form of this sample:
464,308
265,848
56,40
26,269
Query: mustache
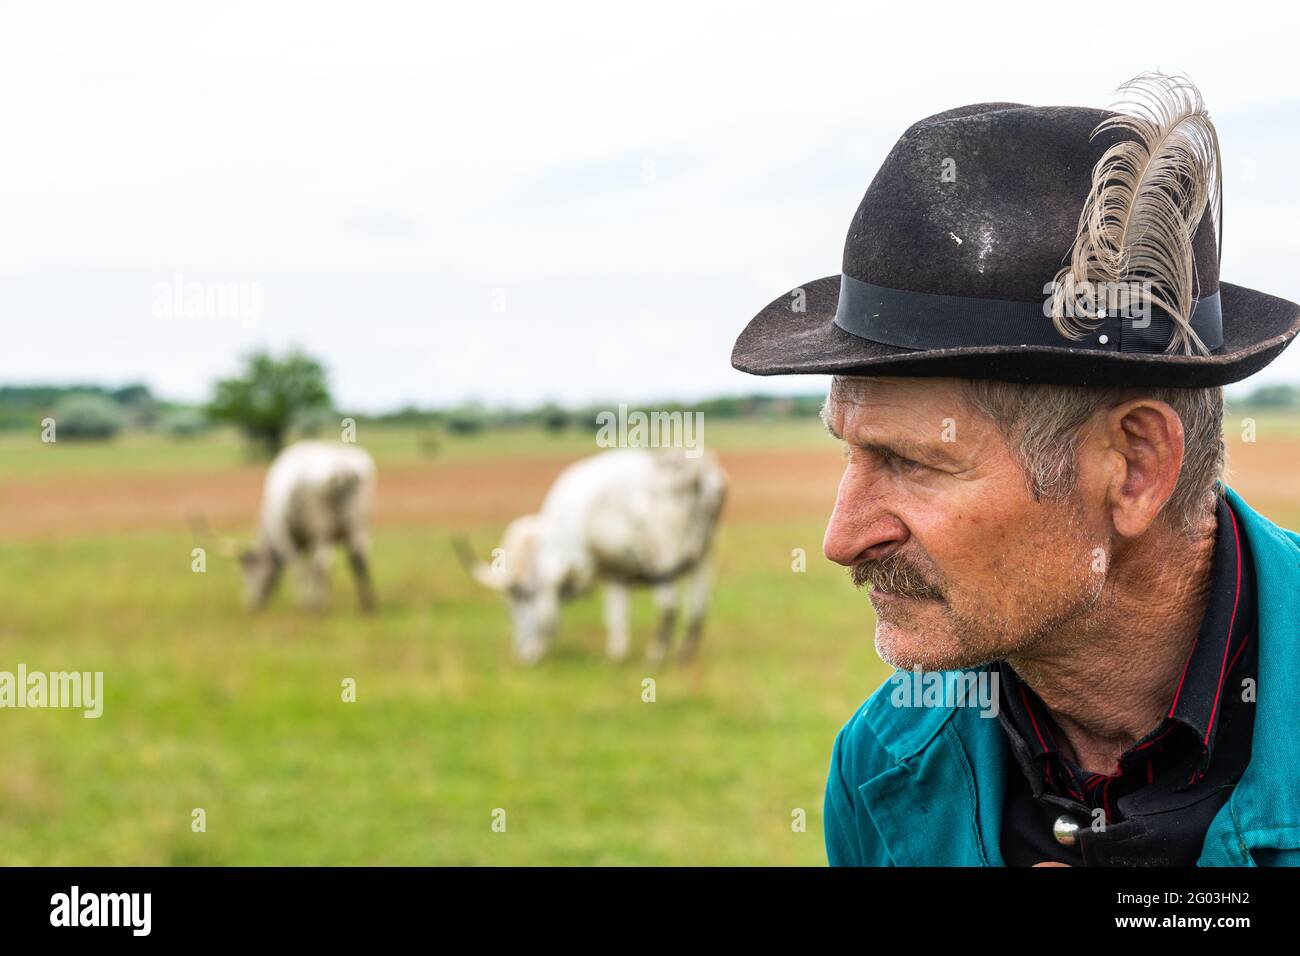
896,574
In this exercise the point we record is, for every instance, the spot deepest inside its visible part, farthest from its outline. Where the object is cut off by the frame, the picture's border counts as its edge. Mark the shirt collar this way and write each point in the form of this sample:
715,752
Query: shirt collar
1229,623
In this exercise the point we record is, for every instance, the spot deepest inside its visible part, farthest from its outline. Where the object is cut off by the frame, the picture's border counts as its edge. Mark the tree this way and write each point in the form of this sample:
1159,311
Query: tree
553,417
271,394
88,416
1275,396
136,404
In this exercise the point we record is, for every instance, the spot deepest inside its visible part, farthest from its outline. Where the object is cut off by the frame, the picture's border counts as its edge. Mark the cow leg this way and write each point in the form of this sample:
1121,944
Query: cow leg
697,602
616,623
358,558
666,601
316,577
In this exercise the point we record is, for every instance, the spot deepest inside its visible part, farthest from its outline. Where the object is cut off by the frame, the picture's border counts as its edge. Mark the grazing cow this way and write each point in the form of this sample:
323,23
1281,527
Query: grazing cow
317,495
625,518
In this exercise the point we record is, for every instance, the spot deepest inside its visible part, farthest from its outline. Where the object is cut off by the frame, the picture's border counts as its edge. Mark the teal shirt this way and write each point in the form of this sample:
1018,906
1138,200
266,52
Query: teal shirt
923,786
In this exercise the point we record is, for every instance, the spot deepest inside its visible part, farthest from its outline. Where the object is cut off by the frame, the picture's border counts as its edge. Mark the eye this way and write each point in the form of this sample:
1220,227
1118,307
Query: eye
894,460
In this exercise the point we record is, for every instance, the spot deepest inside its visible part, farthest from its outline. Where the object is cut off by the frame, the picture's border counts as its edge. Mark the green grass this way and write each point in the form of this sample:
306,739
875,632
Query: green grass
242,716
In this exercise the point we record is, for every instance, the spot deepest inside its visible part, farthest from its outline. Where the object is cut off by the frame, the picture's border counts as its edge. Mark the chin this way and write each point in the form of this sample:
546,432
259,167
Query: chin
919,643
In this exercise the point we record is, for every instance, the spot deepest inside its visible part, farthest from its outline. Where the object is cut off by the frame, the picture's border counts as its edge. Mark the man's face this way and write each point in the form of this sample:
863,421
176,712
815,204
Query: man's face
936,516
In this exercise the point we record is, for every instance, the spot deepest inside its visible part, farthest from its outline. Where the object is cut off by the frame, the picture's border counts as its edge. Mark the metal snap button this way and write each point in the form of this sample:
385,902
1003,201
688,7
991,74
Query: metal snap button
1066,831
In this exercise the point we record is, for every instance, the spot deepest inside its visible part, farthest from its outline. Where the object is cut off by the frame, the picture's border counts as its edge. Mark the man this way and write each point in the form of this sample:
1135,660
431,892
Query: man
1034,493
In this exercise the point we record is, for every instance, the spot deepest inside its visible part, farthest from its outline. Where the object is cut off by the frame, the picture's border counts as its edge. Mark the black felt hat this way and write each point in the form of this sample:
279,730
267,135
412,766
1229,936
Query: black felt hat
969,252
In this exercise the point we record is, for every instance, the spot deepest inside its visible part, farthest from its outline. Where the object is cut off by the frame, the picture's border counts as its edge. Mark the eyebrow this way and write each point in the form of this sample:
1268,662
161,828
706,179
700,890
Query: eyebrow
901,446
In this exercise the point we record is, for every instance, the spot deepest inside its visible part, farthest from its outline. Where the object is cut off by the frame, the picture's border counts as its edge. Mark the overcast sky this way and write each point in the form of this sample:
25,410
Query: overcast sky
516,202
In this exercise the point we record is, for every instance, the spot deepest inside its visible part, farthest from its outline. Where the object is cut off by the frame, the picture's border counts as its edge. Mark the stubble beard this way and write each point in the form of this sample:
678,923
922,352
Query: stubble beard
957,639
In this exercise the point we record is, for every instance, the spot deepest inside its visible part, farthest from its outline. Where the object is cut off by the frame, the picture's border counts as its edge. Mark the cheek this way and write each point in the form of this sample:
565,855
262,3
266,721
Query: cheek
995,551
966,541
1035,562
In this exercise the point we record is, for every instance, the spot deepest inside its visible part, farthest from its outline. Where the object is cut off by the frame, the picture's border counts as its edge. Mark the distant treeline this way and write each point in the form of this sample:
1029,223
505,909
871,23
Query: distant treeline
24,406
1272,396
472,417
98,411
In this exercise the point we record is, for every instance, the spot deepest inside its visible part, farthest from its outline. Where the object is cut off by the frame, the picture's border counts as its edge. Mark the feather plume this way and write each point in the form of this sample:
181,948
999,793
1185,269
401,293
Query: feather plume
1147,197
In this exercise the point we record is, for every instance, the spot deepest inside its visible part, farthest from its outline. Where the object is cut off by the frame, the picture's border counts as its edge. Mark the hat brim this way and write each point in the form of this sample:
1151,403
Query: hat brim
781,341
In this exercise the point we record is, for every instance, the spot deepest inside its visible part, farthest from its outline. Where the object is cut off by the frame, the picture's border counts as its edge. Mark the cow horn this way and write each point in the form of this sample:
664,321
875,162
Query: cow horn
478,569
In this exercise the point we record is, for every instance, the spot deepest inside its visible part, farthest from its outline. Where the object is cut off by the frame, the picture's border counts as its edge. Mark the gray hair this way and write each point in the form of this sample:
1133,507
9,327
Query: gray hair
1042,424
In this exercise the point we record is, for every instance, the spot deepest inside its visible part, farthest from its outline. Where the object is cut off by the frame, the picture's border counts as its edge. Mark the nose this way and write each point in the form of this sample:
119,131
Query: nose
862,527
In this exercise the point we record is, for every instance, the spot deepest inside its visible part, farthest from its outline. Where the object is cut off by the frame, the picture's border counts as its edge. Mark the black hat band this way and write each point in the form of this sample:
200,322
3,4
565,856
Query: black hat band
923,320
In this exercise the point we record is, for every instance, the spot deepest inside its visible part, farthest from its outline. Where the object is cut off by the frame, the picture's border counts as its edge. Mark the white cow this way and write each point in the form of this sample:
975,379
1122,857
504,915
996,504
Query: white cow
631,517
317,495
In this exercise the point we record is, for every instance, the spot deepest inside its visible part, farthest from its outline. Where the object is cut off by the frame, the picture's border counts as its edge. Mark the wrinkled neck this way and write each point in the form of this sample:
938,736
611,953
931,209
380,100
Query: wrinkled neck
1109,677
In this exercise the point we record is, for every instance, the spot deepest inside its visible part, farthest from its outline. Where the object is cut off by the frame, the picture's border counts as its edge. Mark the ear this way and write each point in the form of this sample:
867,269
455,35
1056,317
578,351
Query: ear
1145,438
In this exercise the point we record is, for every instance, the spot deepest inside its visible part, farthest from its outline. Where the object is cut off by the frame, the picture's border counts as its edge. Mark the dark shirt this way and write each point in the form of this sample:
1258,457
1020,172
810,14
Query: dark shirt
1155,808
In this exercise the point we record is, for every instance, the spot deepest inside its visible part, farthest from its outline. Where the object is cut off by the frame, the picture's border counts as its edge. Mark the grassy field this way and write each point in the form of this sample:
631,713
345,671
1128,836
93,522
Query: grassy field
207,707
243,717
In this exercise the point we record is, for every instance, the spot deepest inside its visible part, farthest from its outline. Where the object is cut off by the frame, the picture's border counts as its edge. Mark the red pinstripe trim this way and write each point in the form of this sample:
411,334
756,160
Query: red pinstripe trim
1030,711
1236,657
1223,667
1153,740
1186,664
1075,793
1047,773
